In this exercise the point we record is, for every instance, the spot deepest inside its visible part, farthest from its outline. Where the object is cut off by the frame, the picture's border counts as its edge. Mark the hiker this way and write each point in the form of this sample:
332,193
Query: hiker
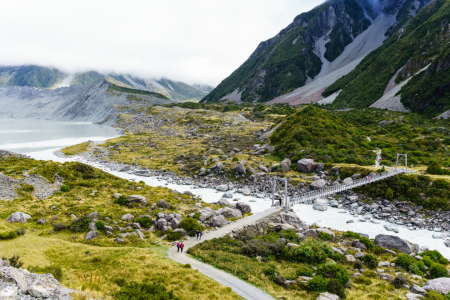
197,233
182,246
200,234
280,202
178,246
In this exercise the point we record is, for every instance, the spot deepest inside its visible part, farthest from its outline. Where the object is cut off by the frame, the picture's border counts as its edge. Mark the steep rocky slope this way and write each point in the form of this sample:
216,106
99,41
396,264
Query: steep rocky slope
315,50
93,102
410,71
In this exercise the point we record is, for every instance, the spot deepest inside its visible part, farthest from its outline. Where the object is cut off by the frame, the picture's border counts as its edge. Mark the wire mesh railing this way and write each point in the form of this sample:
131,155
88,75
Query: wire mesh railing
331,190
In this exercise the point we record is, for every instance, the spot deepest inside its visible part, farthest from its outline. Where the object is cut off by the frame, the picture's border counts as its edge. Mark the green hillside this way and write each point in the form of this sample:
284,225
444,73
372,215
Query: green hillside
425,40
35,76
285,62
86,78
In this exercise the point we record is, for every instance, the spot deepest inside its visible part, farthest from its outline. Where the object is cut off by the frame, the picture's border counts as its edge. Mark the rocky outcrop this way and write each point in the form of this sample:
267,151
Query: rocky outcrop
394,242
306,165
19,217
440,285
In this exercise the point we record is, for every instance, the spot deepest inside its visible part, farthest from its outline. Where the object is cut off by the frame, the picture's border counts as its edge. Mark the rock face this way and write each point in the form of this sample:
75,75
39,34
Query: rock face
19,217
240,169
320,204
136,200
292,219
394,242
306,165
440,285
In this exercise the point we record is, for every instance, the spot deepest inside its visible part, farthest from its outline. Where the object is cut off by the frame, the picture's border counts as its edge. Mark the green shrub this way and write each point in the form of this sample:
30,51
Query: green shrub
335,287
20,231
262,248
410,264
100,225
304,271
363,280
317,284
432,295
435,256
145,222
80,225
14,261
437,270
357,265
65,188
378,250
59,227
28,188
270,273
434,168
399,281
351,234
8,235
56,271
368,243
120,281
333,271
144,291
235,159
190,225
122,200
324,236
389,194
447,297
173,235
370,260
280,280
310,252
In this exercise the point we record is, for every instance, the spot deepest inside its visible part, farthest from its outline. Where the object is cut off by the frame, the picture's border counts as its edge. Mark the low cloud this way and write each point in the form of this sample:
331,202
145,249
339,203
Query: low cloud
197,41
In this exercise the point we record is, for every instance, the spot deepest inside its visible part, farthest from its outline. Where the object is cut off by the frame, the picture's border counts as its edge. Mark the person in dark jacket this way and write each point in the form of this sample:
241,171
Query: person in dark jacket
182,246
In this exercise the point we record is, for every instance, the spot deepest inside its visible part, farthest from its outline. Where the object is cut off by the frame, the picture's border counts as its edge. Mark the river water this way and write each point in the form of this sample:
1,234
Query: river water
40,139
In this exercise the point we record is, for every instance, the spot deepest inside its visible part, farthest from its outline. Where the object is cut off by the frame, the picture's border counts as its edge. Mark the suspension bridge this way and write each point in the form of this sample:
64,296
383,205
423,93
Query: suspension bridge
310,196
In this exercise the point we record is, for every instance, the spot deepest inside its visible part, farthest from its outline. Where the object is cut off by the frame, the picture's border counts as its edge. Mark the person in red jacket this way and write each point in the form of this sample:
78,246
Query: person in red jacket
182,246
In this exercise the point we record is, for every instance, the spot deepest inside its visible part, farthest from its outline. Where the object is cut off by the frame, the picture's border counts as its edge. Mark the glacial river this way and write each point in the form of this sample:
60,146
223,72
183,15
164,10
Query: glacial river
40,139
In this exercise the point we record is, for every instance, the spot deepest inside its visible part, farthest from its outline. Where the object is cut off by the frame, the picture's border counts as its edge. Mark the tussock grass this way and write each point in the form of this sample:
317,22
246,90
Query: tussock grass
76,149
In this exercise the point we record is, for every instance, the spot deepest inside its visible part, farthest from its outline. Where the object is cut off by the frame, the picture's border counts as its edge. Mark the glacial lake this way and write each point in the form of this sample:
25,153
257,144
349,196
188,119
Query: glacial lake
34,136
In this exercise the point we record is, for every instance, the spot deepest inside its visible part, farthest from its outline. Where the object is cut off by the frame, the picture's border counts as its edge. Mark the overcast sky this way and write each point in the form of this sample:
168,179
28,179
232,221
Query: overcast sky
196,41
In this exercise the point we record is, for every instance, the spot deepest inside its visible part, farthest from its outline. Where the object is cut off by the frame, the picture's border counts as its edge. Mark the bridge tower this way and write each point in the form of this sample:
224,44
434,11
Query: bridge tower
280,179
402,159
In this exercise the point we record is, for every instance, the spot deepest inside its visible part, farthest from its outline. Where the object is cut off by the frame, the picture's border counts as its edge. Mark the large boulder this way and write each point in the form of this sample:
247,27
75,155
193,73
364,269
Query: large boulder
223,202
244,207
222,188
391,227
440,285
320,204
163,204
291,218
91,235
38,291
217,168
285,165
348,181
19,217
240,169
306,165
217,221
279,226
320,166
136,200
328,296
228,195
319,184
394,242
231,213
127,217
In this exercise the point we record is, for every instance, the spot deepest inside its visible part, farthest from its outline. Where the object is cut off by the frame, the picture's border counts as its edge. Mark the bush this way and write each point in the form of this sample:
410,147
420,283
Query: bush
335,287
20,231
351,234
304,271
310,252
370,260
368,243
144,291
122,200
145,222
190,225
262,248
270,273
324,236
434,168
399,281
120,281
56,271
378,250
357,265
59,227
363,280
28,188
410,264
65,188
317,284
333,271
80,225
8,235
389,194
235,159
437,270
432,295
173,235
435,256
14,261
100,225
280,280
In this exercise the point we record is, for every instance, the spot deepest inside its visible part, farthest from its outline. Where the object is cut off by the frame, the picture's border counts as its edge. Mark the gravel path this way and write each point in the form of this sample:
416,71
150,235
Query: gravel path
240,287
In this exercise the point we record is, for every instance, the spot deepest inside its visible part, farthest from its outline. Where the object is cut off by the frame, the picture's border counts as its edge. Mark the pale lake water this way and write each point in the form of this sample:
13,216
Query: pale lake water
40,139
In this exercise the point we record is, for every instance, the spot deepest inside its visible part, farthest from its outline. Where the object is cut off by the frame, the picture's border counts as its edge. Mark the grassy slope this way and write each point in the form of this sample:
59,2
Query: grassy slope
134,260
367,82
116,88
36,76
181,91
86,78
